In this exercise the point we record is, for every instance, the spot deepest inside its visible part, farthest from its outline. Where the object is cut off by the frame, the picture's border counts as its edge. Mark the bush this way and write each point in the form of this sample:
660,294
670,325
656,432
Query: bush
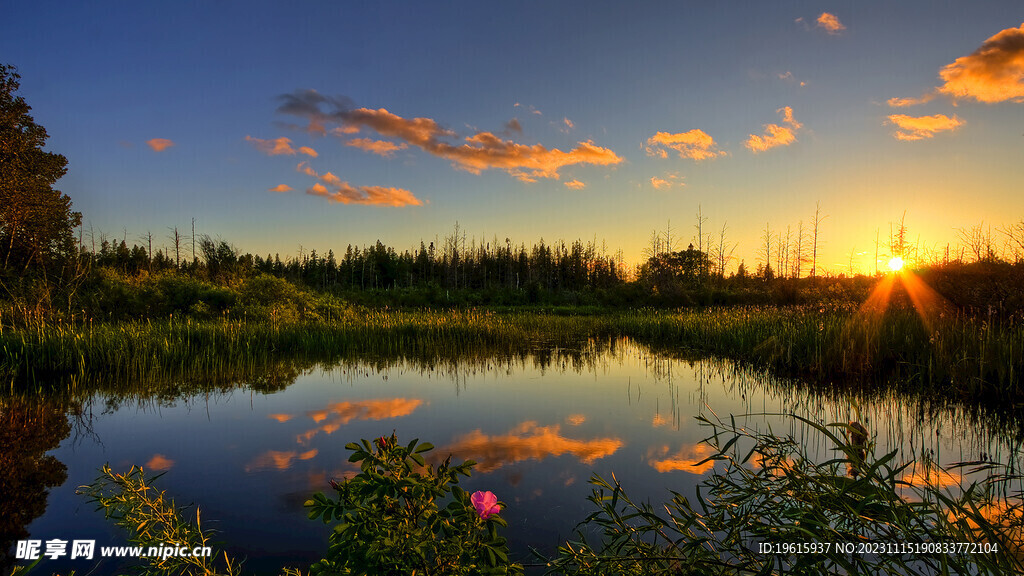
390,521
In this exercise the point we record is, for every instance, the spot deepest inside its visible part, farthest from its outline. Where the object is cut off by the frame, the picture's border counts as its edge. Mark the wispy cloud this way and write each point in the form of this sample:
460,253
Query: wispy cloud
905,102
335,189
379,147
692,458
992,73
670,180
774,134
695,145
159,144
575,185
278,460
481,151
921,127
276,147
831,23
788,77
308,151
532,109
281,188
344,193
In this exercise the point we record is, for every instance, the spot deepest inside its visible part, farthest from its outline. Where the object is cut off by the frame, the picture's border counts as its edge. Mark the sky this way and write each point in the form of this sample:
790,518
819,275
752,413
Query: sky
286,127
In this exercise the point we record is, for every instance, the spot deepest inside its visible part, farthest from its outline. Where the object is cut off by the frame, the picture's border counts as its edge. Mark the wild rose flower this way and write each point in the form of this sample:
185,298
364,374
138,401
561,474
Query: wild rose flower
486,504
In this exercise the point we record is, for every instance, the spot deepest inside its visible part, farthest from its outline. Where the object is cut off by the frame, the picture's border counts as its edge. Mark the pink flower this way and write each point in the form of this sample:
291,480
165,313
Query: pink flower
486,504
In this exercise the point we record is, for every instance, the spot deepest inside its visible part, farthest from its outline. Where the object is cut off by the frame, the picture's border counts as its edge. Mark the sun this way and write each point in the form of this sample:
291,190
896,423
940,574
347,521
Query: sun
896,264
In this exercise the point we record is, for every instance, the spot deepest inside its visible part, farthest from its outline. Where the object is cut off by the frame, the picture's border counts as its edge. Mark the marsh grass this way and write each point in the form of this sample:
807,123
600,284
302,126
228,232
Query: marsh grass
766,490
963,357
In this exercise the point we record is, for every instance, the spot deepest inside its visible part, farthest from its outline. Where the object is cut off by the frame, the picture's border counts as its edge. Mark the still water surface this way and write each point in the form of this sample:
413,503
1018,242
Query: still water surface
539,426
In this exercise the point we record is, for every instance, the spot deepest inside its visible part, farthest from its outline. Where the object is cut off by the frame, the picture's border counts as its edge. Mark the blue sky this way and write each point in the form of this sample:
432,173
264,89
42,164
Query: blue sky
812,80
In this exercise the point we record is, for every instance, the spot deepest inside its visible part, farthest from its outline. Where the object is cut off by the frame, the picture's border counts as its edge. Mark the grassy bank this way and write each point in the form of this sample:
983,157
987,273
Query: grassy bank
958,356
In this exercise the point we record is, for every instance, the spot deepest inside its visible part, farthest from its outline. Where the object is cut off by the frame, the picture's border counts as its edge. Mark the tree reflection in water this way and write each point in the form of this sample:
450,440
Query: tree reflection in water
28,430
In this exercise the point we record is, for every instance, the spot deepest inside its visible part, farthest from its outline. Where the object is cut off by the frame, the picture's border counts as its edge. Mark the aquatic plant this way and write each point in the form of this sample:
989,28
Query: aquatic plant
768,509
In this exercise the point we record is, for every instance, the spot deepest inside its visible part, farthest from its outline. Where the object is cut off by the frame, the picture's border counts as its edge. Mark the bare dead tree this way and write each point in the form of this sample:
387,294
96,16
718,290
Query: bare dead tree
766,250
1014,240
814,242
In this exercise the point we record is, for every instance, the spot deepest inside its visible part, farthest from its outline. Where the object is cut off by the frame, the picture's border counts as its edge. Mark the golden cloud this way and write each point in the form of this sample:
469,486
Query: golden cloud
671,179
481,151
923,475
278,460
276,147
281,188
904,102
774,134
695,145
308,151
379,147
576,419
368,195
687,459
575,185
280,417
344,193
339,414
992,73
830,23
159,144
528,441
919,128
159,463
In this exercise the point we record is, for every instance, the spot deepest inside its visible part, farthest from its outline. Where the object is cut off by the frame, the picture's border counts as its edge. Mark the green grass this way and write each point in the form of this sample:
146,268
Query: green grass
961,357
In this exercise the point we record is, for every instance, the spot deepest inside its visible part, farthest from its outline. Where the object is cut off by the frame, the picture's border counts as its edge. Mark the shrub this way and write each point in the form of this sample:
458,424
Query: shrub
390,521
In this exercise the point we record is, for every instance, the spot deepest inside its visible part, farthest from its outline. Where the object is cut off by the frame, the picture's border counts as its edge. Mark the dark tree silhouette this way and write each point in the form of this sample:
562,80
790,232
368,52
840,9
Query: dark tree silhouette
36,221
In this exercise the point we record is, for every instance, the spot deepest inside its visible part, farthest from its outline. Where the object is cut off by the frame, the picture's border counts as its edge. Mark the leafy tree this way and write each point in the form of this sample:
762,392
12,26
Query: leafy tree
36,221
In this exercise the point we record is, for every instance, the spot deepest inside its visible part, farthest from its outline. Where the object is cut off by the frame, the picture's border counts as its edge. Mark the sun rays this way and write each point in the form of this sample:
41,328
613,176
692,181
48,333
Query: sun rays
928,304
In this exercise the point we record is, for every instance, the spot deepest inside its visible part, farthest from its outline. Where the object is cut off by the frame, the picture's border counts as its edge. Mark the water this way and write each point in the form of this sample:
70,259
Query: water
539,426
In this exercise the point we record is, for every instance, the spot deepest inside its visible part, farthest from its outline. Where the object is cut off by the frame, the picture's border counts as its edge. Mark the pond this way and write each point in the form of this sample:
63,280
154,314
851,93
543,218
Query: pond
539,425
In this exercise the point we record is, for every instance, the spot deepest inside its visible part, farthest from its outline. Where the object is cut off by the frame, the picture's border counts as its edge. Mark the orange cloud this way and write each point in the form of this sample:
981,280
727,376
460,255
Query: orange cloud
575,185
278,460
159,144
528,441
686,459
159,463
774,134
344,193
911,128
481,151
576,419
671,179
280,417
281,188
308,151
275,147
992,73
695,145
830,23
904,102
368,195
923,475
341,413
379,147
